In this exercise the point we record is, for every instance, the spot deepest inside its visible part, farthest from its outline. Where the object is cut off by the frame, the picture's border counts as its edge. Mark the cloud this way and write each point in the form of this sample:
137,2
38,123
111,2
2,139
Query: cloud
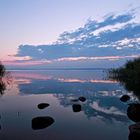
23,63
26,61
111,110
113,37
93,25
96,58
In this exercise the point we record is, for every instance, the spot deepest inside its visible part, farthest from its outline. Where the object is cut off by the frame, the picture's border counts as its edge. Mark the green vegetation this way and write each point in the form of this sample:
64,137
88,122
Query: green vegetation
128,75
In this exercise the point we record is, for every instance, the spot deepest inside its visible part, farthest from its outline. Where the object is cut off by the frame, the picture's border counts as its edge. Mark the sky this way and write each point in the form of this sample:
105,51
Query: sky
42,22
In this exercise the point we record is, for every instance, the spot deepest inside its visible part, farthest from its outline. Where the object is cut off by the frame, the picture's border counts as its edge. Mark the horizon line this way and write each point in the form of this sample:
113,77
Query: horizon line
35,69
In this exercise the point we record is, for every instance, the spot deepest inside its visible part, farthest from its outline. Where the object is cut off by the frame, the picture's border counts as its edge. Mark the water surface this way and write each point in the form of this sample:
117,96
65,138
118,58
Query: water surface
102,116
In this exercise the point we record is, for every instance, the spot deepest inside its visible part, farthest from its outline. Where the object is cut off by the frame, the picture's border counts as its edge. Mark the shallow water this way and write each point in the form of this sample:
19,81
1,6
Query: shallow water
102,116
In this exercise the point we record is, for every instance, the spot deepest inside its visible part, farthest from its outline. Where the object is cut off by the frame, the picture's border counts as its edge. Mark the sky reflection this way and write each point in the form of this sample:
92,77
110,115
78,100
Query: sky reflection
102,111
34,82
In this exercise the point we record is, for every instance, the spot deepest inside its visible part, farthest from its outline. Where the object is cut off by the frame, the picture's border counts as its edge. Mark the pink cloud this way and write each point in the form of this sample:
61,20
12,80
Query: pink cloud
21,77
96,58
27,61
31,76
84,81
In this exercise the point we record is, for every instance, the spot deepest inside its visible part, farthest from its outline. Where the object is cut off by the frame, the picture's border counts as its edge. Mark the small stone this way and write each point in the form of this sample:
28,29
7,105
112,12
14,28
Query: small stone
125,98
43,105
82,99
76,107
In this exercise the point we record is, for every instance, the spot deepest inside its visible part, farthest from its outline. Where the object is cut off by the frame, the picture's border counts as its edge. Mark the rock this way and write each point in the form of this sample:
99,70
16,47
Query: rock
43,105
76,107
134,136
125,98
135,128
133,112
42,122
134,131
82,99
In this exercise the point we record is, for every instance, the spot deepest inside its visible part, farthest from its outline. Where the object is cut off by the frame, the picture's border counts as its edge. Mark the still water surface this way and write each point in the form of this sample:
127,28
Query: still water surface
102,116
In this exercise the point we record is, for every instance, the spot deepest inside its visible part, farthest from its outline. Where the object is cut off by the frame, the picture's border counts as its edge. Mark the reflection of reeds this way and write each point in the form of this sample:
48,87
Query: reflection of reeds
2,87
2,70
5,78
128,75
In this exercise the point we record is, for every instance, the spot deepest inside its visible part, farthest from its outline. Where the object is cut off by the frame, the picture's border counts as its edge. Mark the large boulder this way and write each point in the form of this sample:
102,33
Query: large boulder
133,112
42,122
134,131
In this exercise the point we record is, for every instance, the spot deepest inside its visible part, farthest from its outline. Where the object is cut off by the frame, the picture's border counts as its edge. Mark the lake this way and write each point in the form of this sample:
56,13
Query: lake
102,116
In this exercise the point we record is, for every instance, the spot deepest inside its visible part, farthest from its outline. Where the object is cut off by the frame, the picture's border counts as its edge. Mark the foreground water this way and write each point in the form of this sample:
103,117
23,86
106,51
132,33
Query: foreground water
101,117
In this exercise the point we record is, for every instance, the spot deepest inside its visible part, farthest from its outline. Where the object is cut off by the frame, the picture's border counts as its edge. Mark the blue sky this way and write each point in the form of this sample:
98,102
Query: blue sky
40,22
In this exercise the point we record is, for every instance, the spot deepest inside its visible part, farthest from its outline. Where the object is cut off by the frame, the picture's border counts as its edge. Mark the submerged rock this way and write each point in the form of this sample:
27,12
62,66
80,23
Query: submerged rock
76,107
133,112
43,105
82,99
125,98
74,100
42,122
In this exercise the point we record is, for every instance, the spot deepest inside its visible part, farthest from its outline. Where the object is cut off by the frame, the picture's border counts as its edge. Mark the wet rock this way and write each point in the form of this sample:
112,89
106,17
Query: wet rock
135,128
133,112
43,105
82,99
134,136
76,107
134,131
42,122
125,98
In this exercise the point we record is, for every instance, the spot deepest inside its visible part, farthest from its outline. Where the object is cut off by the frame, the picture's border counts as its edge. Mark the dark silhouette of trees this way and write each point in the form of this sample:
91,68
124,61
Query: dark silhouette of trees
128,75
5,78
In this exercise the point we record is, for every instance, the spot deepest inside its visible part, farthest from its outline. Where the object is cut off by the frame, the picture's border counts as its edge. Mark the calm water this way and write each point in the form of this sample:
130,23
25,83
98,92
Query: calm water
102,117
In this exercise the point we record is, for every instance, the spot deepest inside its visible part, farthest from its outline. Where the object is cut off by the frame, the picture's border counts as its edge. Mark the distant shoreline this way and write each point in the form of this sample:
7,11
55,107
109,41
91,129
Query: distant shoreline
57,69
